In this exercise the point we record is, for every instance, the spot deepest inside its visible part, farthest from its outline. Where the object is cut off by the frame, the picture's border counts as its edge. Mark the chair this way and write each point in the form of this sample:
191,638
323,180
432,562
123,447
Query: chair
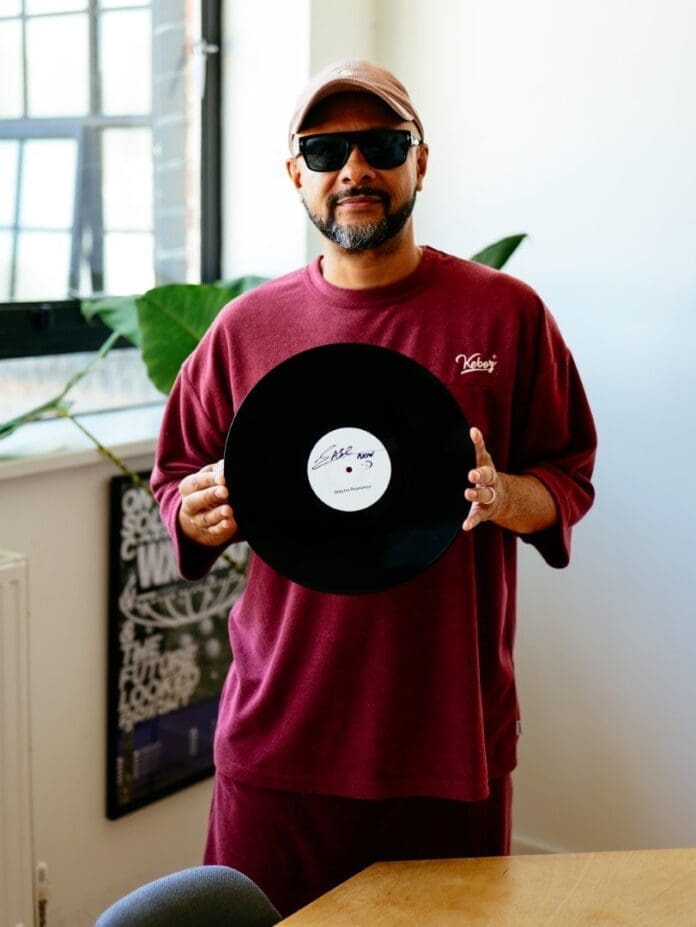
204,896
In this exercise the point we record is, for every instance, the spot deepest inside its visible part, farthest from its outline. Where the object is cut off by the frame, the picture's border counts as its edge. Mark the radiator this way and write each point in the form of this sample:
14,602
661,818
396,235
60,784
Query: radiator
16,838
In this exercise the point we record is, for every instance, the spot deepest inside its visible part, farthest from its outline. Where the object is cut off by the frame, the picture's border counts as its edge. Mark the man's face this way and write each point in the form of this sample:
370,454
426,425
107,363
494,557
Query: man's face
358,207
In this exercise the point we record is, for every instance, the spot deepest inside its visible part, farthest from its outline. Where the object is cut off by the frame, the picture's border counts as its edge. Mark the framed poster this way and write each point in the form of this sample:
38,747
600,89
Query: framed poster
168,656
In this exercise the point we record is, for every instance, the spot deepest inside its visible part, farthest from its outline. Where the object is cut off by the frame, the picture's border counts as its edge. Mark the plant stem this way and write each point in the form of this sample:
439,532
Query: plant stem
56,405
237,566
105,452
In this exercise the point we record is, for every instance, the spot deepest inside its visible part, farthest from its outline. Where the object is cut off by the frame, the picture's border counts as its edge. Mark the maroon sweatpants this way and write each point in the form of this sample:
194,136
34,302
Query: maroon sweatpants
297,846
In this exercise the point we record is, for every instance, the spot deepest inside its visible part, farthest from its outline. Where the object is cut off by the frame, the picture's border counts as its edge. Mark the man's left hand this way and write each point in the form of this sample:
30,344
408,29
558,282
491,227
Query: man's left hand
487,496
518,502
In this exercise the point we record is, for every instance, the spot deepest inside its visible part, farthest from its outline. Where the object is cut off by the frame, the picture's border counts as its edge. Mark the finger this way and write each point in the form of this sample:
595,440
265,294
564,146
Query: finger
476,436
221,528
202,500
214,517
472,520
196,482
482,455
483,495
485,475
208,476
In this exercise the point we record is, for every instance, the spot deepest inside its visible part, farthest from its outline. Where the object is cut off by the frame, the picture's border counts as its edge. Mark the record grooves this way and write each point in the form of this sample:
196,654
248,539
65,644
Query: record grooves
346,466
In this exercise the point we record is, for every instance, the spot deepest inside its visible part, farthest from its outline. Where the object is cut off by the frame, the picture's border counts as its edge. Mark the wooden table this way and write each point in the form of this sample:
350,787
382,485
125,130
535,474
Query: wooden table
641,888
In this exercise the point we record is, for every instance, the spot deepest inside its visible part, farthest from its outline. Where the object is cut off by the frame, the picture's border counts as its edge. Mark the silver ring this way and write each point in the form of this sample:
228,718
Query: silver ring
494,497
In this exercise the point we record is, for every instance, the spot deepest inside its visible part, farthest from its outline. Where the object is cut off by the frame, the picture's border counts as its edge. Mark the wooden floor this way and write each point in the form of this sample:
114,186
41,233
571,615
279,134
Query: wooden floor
651,888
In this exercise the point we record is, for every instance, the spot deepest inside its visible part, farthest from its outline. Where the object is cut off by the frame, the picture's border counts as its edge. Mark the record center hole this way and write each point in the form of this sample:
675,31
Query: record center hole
349,469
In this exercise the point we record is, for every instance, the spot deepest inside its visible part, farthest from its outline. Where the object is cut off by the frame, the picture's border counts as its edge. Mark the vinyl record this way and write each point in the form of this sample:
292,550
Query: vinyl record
346,467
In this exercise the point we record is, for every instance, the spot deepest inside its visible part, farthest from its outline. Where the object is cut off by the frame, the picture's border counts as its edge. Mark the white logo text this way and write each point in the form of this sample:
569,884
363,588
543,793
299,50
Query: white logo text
472,363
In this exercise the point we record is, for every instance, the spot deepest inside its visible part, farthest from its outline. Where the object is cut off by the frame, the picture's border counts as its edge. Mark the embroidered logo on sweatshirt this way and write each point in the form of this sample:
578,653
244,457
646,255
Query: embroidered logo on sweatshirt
474,363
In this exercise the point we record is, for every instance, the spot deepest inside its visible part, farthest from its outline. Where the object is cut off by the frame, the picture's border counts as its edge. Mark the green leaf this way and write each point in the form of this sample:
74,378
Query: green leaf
9,428
48,409
241,284
118,312
173,319
499,253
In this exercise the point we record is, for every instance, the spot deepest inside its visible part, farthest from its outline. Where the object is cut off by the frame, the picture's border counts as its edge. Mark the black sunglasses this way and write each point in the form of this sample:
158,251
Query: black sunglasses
383,149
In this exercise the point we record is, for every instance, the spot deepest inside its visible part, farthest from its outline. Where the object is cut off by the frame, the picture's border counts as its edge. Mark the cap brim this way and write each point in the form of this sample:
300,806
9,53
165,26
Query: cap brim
346,85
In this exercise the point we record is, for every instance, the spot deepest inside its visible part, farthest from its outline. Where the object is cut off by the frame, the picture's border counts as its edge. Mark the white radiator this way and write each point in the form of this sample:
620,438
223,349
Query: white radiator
16,839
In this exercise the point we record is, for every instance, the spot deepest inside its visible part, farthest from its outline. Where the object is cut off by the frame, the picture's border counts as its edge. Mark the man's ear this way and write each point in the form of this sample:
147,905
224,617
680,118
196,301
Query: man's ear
422,153
294,172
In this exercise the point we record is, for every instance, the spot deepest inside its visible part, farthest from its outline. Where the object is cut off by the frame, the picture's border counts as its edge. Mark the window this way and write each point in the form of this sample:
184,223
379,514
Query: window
105,184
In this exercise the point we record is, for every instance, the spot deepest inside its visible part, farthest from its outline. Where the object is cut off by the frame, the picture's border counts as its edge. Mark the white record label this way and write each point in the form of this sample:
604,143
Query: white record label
349,469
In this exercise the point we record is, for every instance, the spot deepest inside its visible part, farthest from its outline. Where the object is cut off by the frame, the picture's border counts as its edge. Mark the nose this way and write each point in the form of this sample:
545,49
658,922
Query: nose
356,167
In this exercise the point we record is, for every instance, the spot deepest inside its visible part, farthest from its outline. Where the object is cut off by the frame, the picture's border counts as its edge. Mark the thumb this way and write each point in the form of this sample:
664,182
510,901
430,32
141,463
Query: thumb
483,458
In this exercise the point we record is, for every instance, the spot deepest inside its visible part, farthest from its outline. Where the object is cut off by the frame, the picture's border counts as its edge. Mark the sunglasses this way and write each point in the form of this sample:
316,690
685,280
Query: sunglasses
383,149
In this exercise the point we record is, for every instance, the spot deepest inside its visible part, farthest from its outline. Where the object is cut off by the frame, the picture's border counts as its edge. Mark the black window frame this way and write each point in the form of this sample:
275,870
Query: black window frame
56,326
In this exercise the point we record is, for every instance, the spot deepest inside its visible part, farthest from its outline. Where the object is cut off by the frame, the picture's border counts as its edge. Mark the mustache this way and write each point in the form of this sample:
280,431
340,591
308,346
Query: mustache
337,198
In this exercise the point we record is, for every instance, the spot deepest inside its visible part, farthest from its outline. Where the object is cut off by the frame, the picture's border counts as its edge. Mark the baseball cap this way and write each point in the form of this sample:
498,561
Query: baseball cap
356,76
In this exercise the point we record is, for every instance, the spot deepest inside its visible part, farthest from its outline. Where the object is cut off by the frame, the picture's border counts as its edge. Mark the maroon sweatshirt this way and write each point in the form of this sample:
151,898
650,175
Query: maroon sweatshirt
410,691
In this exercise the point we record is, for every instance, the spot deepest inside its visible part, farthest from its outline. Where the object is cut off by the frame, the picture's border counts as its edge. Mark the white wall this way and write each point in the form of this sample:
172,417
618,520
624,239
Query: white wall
265,230
575,123
265,62
59,519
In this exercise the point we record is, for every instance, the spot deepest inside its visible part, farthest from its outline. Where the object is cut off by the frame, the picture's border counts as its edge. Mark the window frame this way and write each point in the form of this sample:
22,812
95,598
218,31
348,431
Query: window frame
56,326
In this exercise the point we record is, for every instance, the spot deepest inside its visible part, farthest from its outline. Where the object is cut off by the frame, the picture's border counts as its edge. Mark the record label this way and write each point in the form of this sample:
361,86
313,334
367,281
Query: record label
349,469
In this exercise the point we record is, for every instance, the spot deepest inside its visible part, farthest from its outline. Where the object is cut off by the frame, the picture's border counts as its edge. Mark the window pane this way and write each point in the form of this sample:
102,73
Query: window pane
48,183
10,7
127,179
58,46
128,263
135,174
43,265
126,37
116,381
9,156
11,81
5,264
54,6
111,4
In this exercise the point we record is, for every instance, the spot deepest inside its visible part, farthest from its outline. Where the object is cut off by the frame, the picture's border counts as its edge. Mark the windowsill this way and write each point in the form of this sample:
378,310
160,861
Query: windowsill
57,444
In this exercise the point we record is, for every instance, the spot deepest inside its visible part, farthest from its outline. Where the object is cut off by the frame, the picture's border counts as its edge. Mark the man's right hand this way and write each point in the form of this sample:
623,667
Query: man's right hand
204,515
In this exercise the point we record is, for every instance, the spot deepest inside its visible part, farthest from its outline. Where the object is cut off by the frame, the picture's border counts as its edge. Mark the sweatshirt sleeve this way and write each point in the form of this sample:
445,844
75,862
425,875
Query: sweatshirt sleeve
192,435
556,440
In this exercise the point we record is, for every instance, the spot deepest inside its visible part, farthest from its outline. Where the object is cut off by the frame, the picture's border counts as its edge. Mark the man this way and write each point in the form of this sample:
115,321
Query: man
383,726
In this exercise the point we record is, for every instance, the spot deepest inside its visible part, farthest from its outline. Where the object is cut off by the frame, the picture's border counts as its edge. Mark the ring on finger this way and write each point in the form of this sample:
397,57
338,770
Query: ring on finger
493,497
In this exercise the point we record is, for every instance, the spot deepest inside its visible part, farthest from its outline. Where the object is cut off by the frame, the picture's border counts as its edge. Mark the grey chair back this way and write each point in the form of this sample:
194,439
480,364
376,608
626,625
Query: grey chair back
204,896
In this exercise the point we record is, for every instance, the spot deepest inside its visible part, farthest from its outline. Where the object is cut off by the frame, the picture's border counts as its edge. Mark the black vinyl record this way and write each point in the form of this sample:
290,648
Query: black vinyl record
346,467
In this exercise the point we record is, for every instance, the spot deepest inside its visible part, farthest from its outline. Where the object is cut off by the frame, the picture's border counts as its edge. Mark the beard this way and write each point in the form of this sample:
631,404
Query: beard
367,235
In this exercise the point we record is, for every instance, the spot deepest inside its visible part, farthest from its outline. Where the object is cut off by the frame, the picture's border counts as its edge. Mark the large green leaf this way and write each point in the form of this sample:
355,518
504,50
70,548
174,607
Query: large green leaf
174,318
118,312
500,252
241,284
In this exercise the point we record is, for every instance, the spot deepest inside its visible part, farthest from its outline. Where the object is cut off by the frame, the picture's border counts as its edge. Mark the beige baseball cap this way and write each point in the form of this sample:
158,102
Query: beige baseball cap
361,76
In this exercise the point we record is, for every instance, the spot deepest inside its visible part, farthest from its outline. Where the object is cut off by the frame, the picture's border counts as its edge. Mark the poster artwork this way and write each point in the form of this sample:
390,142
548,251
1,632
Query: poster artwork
168,656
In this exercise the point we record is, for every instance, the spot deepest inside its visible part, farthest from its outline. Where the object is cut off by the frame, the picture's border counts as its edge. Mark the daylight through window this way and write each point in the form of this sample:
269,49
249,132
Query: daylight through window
99,146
